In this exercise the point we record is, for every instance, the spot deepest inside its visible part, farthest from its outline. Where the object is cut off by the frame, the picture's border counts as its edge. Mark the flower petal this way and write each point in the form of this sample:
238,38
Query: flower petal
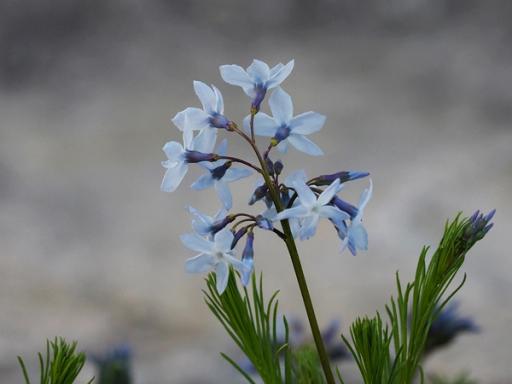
333,213
203,182
279,73
282,146
222,275
207,96
281,106
223,239
205,140
329,192
200,263
222,149
220,100
307,123
224,193
306,195
197,243
191,118
234,174
236,75
305,145
264,125
308,228
298,211
173,177
363,200
173,150
259,71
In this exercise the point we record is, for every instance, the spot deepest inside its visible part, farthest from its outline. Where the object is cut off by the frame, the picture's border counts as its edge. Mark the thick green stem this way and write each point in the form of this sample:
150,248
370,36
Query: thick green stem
297,267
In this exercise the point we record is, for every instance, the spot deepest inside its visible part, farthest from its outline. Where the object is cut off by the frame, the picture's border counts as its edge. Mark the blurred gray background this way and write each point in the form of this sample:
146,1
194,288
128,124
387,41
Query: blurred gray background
418,92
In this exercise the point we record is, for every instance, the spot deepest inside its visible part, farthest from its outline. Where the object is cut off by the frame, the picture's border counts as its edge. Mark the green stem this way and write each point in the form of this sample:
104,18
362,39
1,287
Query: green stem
297,267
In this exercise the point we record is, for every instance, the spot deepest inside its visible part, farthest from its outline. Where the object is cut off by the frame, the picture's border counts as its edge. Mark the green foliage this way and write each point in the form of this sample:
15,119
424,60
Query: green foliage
371,342
253,325
306,366
61,364
412,312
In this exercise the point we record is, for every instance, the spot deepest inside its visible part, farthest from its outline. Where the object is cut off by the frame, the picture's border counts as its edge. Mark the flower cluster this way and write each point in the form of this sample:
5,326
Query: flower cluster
298,203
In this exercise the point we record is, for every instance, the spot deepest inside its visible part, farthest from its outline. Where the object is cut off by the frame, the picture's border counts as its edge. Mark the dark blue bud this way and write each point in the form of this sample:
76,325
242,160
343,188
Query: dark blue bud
197,157
219,172
248,258
285,198
264,223
477,227
343,176
270,166
219,121
345,207
220,224
258,194
278,167
260,92
237,236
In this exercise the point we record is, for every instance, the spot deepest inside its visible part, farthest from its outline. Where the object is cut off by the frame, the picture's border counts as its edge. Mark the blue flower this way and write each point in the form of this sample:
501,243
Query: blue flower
257,79
205,225
220,173
207,119
179,156
354,236
215,254
311,208
284,128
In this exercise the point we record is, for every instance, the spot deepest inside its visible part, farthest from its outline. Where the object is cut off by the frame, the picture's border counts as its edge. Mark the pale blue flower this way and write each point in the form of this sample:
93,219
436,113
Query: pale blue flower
214,255
355,236
220,174
311,208
207,119
180,155
257,79
205,225
284,128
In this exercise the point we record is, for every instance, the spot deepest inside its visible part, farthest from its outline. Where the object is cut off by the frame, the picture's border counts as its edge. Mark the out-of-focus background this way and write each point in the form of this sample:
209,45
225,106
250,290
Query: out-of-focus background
418,92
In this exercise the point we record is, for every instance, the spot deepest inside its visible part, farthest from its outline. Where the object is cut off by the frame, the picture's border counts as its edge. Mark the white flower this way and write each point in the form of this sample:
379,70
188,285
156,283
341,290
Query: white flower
311,208
213,254
284,128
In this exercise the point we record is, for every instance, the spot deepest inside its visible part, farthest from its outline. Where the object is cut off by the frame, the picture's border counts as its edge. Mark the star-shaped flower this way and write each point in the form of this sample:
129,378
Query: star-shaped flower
284,128
214,254
179,155
256,79
311,208
220,173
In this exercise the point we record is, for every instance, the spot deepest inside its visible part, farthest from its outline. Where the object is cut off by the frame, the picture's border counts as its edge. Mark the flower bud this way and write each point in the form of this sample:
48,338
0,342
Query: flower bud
270,166
220,224
248,258
219,172
237,236
343,176
278,167
258,194
197,157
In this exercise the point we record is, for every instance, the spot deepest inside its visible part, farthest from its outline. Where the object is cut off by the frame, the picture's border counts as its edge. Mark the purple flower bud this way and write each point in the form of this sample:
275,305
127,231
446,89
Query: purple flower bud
197,157
344,176
264,223
278,167
219,172
270,166
477,227
219,121
258,194
237,236
345,207
220,224
248,258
